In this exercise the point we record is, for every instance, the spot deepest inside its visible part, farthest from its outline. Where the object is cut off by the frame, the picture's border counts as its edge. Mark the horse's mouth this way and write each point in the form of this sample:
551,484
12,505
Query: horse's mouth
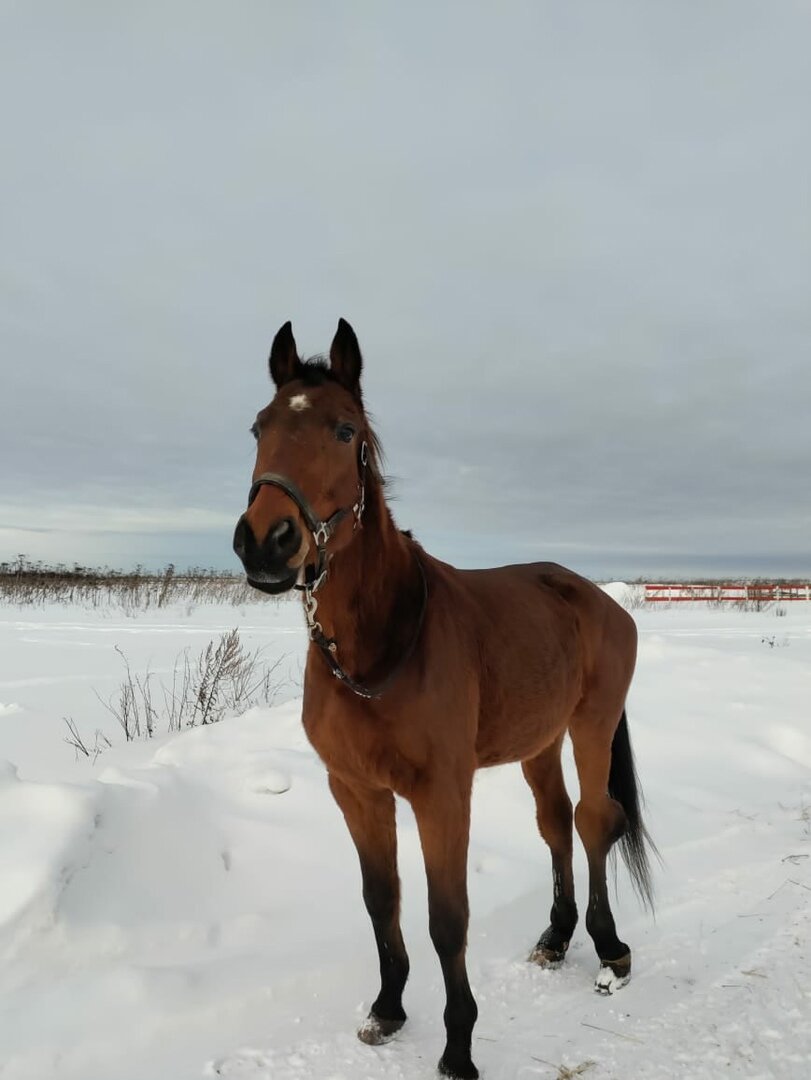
274,584
282,581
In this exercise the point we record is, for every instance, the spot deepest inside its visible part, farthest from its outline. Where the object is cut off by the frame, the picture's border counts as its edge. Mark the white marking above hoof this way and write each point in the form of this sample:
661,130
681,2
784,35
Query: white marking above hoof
608,982
299,402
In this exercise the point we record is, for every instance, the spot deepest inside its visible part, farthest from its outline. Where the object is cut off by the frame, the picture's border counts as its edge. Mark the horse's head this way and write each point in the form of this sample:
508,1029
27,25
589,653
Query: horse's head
311,466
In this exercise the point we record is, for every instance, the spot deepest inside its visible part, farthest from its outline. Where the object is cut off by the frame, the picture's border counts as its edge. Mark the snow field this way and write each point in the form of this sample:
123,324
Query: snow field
191,906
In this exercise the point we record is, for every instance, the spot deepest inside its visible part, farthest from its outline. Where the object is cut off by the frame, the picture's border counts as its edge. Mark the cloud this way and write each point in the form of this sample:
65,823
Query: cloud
112,518
573,240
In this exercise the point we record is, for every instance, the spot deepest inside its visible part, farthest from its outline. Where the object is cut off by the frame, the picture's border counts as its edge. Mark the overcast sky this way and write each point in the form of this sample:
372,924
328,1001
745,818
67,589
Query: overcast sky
574,240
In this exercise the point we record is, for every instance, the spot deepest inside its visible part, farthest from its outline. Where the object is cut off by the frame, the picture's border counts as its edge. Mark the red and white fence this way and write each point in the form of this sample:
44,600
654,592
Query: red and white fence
738,592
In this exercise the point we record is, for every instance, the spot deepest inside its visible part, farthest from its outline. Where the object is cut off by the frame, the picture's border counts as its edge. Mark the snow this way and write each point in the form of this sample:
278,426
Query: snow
190,906
629,596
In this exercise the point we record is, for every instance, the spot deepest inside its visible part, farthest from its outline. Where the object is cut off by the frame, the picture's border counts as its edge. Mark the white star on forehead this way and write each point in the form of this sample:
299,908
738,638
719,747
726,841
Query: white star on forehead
299,402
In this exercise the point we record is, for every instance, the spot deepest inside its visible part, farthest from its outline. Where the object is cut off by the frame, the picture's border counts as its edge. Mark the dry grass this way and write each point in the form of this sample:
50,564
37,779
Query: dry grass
565,1072
75,739
26,584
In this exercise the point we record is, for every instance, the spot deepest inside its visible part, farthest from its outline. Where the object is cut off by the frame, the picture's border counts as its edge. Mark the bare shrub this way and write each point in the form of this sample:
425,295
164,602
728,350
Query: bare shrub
774,642
166,584
224,679
133,708
634,597
74,739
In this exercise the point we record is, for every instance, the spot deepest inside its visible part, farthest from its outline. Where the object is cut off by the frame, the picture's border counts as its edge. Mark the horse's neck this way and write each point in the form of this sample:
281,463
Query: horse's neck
365,585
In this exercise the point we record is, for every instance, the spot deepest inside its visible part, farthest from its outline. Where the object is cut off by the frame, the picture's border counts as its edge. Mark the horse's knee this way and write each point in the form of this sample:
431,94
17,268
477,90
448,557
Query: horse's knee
381,897
447,926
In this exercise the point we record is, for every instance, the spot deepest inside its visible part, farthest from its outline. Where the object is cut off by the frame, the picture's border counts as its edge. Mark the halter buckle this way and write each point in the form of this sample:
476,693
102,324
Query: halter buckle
315,631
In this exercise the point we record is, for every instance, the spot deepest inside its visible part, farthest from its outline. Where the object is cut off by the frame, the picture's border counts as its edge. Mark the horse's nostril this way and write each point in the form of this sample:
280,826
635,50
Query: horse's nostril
283,536
282,531
241,538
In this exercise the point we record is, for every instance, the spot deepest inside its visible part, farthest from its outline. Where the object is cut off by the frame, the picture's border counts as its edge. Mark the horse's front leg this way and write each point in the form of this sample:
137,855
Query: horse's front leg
369,815
443,818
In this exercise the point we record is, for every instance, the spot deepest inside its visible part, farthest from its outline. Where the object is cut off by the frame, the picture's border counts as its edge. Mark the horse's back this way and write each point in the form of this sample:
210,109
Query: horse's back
543,596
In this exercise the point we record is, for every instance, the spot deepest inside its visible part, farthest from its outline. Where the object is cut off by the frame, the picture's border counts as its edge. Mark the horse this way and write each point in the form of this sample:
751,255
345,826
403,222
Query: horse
419,673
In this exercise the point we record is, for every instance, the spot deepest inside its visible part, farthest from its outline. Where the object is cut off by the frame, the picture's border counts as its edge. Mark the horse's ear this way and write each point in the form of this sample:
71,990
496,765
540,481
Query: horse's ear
345,358
284,361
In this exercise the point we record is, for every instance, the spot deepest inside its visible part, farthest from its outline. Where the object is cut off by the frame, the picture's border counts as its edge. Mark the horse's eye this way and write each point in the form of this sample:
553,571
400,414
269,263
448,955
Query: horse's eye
345,432
255,431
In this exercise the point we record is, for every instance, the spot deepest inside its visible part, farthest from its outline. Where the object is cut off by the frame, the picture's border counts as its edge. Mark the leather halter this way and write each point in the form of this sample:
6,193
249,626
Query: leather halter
322,531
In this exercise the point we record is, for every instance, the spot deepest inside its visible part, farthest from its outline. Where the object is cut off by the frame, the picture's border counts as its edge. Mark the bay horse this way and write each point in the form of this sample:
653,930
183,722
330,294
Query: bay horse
418,674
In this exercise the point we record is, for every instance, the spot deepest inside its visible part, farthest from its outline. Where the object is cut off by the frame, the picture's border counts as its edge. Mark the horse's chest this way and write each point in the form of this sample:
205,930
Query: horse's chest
358,748
332,735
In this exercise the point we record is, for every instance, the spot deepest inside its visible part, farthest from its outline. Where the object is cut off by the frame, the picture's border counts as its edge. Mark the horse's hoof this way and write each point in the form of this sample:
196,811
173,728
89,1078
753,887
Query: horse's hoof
550,952
613,975
374,1031
547,958
457,1070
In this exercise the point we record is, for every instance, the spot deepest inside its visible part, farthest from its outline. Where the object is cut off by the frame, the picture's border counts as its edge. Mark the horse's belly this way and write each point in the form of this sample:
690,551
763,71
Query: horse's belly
516,738
524,711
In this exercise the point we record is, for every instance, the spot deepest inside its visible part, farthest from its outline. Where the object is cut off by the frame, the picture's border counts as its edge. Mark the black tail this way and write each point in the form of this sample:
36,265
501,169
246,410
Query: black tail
623,785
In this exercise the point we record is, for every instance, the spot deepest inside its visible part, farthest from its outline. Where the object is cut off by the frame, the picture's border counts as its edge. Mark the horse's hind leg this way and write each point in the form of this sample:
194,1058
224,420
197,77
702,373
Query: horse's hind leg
369,815
554,813
600,821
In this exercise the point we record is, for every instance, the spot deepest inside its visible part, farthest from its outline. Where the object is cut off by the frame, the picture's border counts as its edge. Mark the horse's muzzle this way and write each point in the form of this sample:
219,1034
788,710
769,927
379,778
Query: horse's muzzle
267,565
